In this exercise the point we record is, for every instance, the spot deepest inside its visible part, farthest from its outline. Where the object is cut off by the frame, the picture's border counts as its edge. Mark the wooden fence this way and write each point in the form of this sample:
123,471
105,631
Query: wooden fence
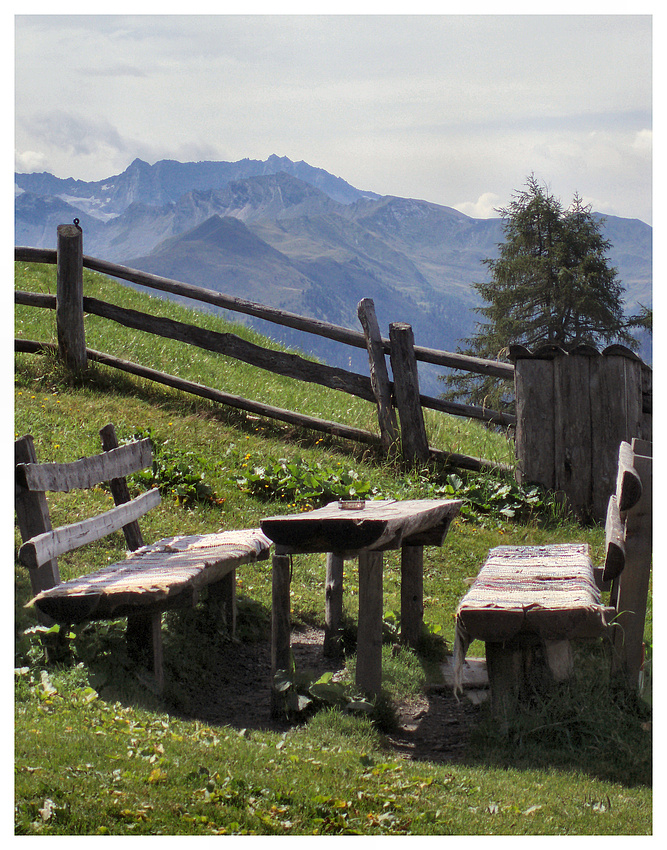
400,396
573,409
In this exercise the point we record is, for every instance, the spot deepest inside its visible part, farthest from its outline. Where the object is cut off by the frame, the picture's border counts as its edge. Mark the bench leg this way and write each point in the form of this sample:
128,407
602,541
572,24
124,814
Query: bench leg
333,606
517,667
505,668
369,633
144,643
280,626
224,592
559,659
412,594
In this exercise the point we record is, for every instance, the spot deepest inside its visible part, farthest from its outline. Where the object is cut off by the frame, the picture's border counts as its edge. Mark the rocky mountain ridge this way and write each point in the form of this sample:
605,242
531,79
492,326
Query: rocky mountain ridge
295,237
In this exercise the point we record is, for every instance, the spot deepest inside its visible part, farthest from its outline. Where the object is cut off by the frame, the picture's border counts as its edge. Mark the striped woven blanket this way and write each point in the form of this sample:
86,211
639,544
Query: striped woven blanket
549,591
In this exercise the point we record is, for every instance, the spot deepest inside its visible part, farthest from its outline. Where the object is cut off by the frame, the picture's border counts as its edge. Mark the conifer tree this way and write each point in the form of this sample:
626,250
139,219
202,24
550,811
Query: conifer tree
551,283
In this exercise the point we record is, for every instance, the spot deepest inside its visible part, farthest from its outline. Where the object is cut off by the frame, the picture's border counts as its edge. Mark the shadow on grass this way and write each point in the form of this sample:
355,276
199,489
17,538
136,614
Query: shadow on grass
589,725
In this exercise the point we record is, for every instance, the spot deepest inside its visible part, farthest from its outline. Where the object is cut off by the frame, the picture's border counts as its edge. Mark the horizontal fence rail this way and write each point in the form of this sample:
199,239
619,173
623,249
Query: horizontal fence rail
278,362
337,333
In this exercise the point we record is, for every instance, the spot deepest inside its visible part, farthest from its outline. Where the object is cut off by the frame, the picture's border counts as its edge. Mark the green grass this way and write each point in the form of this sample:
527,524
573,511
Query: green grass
108,755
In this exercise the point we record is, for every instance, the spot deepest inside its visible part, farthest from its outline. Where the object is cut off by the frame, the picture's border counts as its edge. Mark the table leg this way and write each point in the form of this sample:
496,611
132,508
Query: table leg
280,625
412,594
369,634
333,605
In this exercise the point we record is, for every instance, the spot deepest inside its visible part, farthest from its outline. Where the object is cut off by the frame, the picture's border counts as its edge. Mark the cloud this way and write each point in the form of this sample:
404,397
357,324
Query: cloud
28,161
486,206
75,134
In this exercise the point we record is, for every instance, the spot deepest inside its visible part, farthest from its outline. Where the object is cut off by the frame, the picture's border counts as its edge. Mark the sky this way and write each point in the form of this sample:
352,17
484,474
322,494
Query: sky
454,109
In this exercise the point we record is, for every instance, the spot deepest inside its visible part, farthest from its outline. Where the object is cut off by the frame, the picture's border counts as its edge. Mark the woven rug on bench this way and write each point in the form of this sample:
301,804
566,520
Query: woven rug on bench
153,573
548,591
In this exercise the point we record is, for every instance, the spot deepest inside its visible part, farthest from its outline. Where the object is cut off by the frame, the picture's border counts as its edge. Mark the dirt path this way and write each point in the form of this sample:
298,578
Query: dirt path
434,727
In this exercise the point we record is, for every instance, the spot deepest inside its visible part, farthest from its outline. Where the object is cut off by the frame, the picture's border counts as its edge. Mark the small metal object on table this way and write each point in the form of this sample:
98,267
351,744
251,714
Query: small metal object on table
360,530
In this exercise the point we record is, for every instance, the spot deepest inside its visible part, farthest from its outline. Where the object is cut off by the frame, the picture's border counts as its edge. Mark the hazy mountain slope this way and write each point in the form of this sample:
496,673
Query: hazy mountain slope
292,236
222,254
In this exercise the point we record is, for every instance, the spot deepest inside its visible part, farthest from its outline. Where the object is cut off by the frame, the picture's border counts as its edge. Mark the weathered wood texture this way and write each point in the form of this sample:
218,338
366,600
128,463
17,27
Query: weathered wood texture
44,547
412,594
364,533
280,626
288,364
230,345
414,442
379,375
33,518
168,573
573,410
632,588
368,674
548,592
69,298
120,491
379,525
333,605
86,472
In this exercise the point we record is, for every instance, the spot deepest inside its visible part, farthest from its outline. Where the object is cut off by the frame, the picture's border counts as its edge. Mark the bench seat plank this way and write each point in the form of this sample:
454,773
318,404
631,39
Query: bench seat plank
153,576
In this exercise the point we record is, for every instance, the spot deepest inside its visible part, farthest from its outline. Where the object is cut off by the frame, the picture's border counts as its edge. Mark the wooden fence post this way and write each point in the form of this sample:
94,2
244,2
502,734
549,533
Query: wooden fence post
379,375
69,299
406,388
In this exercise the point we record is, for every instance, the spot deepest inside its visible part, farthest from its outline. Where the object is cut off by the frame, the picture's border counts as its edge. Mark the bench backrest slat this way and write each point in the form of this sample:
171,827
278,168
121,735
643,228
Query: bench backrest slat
614,542
86,472
628,482
42,548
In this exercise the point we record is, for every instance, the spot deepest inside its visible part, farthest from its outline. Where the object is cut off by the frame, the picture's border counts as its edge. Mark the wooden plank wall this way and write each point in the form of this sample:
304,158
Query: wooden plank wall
573,411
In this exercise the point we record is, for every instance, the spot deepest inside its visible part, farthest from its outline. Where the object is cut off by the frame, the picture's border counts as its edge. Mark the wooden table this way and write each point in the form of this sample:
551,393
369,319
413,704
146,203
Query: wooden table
362,532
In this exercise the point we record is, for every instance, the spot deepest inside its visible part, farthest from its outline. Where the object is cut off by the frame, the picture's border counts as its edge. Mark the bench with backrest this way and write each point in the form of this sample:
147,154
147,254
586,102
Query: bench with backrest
152,579
528,602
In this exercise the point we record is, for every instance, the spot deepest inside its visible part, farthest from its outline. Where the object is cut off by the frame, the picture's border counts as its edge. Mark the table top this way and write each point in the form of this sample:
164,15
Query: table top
372,526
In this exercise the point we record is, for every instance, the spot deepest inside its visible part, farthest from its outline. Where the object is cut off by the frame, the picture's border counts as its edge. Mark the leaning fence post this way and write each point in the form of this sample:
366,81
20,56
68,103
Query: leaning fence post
69,298
379,376
406,388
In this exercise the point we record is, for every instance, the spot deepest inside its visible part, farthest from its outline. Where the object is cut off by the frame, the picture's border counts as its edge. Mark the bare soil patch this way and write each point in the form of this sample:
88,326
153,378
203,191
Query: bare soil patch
433,727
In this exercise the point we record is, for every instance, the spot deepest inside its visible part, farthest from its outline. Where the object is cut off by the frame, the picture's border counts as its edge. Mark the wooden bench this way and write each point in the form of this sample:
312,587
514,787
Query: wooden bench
152,579
528,602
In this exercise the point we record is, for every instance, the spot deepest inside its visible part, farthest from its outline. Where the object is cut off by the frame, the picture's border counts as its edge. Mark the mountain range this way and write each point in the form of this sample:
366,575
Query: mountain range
295,237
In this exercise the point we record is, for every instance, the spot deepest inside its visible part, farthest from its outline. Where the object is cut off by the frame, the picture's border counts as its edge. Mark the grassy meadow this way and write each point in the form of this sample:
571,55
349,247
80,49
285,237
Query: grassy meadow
97,753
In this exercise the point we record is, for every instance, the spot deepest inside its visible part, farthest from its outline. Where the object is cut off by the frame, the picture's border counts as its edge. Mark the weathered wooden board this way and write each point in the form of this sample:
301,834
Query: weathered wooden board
414,441
628,482
50,544
614,542
86,472
231,345
378,374
572,429
377,526
534,380
33,518
633,583
616,415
